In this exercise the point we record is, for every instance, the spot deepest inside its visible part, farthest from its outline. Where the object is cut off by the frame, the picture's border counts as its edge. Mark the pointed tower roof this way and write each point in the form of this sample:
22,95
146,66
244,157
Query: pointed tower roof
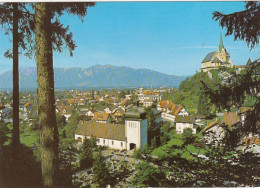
249,62
221,45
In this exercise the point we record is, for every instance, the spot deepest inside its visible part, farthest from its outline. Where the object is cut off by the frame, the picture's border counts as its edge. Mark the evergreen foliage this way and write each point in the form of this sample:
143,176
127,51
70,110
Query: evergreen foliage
101,176
86,155
244,25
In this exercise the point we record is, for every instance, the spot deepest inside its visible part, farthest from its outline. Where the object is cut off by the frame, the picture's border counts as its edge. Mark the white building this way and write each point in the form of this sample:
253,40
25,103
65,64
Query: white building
132,134
184,122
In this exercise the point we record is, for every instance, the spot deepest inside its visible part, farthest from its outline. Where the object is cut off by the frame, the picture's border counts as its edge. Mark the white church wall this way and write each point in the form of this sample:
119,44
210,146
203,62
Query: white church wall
132,132
113,144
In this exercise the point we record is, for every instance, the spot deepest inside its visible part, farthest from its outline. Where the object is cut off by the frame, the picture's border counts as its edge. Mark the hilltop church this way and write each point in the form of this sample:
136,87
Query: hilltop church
214,60
132,134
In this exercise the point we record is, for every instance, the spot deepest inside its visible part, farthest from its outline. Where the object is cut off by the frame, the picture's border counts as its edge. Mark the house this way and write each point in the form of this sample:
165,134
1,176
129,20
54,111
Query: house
147,103
165,105
102,117
132,134
179,110
146,94
90,113
107,110
184,122
214,132
118,113
62,102
77,101
251,143
125,104
171,110
66,111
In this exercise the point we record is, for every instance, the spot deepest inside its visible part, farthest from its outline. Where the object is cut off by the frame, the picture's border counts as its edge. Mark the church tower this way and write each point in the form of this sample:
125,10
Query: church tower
222,51
136,128
214,60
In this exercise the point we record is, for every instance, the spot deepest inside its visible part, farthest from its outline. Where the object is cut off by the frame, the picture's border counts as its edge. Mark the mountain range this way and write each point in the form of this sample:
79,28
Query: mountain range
106,76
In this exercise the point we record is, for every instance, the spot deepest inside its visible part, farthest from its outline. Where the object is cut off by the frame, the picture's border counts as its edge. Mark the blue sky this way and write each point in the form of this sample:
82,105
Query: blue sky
169,37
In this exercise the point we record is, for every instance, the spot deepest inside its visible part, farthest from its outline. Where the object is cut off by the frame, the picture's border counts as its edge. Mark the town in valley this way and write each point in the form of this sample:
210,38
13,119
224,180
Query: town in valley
118,126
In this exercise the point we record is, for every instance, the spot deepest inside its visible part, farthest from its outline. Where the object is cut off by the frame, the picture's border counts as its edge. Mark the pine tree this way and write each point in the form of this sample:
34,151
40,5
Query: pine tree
51,36
101,176
244,25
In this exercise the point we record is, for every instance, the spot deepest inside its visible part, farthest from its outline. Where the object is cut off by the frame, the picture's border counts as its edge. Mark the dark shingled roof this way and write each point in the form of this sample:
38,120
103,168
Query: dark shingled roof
221,45
216,60
185,119
101,130
249,62
208,57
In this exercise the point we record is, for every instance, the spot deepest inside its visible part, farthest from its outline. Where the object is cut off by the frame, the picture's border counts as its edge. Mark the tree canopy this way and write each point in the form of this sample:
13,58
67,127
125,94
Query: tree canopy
244,25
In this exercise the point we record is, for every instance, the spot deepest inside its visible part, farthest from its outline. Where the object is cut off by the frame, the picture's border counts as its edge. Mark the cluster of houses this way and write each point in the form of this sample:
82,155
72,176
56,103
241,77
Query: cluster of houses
121,123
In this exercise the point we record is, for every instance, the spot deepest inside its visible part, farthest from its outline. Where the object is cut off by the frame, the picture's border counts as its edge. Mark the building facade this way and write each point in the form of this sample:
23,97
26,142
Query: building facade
214,60
132,134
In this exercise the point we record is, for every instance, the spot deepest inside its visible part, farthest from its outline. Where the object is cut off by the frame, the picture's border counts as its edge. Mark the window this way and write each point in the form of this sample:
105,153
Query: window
104,141
121,144
112,142
98,140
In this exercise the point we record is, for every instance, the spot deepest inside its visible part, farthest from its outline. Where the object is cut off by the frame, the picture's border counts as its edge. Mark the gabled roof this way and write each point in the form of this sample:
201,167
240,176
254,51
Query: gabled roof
176,109
119,112
147,92
101,130
230,119
166,104
212,124
185,119
124,102
65,109
209,57
100,116
216,60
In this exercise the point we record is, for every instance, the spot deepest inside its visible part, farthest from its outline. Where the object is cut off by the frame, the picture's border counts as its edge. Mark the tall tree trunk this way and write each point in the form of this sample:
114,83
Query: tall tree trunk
45,76
16,132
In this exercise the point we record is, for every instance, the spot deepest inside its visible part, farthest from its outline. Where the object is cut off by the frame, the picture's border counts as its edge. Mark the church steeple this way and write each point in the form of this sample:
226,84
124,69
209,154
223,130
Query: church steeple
221,45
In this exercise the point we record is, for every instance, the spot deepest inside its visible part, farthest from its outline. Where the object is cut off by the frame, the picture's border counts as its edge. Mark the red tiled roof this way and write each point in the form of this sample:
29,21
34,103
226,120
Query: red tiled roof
166,104
176,110
147,92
